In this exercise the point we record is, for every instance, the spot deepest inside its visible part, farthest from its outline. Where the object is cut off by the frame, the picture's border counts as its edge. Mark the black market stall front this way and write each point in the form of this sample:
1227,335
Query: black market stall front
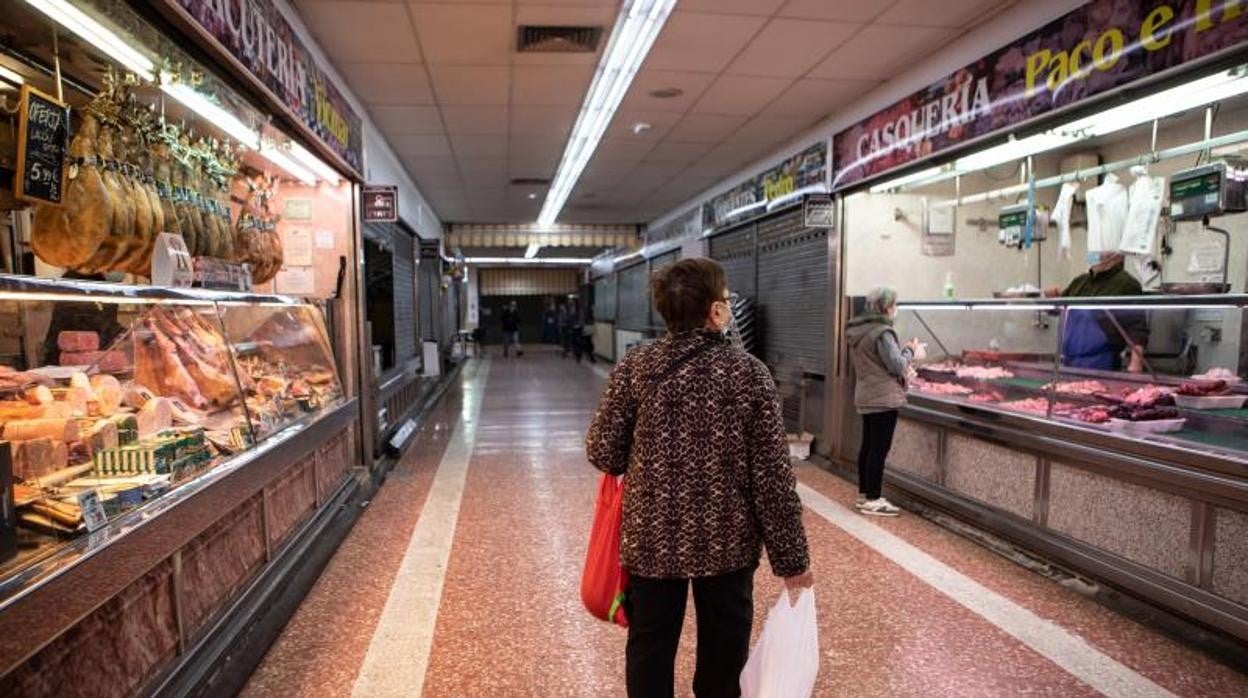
178,368
1079,284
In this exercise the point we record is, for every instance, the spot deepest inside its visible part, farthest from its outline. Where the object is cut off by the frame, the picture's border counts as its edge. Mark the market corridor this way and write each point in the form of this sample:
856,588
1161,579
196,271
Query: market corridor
461,579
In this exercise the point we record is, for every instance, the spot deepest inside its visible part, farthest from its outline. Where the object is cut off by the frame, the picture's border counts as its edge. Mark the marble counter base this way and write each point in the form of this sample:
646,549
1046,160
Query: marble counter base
995,475
1230,555
1141,524
916,449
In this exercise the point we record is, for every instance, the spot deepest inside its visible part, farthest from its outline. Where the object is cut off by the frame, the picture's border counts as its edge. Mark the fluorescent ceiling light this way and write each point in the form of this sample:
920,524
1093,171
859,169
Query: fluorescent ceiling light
1198,93
531,252
284,161
97,35
546,261
912,178
636,28
11,77
210,112
305,157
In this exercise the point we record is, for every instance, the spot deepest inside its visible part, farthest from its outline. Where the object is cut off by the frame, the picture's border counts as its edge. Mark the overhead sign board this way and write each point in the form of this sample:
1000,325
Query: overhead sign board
749,198
1098,47
264,44
379,203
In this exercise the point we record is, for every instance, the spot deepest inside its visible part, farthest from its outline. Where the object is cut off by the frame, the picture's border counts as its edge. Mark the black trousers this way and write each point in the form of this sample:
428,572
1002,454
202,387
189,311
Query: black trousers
877,439
656,612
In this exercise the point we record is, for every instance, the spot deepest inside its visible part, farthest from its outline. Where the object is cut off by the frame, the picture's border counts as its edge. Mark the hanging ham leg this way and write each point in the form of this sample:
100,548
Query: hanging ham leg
67,235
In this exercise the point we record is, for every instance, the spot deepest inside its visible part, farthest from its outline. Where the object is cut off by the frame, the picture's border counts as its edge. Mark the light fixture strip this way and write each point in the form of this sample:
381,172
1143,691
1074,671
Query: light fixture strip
11,77
284,161
210,112
305,157
532,250
97,35
636,29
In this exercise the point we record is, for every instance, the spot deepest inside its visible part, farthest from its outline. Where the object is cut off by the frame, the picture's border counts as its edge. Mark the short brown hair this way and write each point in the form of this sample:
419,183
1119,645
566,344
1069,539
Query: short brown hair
684,292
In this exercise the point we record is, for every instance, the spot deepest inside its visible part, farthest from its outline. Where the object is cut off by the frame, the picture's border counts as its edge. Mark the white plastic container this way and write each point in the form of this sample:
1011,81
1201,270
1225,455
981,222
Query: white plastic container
1210,402
1152,426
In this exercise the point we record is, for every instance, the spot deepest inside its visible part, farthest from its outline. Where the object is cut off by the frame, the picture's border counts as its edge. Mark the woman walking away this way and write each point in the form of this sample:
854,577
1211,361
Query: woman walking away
881,368
696,426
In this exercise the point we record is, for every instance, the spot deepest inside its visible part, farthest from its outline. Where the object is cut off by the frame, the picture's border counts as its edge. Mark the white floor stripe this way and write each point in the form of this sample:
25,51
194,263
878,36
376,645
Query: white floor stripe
602,371
1062,647
398,655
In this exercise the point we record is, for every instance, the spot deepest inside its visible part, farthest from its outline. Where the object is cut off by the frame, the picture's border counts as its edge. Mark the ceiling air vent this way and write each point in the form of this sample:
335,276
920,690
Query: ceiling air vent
530,182
547,39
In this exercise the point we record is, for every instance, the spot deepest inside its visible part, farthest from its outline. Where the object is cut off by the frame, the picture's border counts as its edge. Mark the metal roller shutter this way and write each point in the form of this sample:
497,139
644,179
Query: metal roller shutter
404,295
735,251
604,299
659,263
450,319
634,298
792,302
427,297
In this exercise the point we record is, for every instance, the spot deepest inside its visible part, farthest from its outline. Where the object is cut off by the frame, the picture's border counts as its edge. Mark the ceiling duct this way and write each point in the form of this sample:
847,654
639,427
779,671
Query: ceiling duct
552,39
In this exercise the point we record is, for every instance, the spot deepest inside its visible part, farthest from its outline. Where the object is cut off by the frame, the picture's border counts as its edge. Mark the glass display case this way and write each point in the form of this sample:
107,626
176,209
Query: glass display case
113,397
1164,371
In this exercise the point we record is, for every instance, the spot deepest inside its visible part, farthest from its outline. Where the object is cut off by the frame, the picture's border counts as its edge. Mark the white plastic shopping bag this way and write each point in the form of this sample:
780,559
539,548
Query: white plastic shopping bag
785,661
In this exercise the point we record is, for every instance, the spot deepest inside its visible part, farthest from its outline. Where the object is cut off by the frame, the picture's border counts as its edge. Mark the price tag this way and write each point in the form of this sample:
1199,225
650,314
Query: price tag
42,143
171,262
92,510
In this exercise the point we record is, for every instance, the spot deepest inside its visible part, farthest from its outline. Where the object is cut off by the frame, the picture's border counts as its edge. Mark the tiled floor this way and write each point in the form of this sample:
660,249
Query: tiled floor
509,621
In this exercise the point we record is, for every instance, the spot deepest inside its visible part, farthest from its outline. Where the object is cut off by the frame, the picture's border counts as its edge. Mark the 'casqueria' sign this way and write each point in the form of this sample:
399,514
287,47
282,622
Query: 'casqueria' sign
1098,47
259,37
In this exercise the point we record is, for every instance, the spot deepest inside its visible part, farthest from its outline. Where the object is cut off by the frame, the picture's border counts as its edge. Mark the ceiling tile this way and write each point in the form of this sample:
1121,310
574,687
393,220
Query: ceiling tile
878,51
692,85
475,120
705,128
738,95
465,34
625,120
388,83
469,165
701,42
551,85
619,152
354,32
441,166
818,98
836,10
470,85
547,121
790,47
406,121
770,130
421,146
953,13
762,8
480,146
677,153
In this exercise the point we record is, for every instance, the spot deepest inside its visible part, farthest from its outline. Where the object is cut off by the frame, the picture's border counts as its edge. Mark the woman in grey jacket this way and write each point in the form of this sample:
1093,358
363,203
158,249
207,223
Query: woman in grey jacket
881,367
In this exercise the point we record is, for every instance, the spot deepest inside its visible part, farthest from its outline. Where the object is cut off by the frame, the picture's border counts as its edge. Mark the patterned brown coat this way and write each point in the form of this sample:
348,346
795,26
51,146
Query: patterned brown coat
708,474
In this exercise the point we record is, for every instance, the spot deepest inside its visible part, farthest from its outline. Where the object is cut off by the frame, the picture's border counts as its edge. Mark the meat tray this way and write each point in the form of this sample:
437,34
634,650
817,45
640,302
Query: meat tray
1156,426
1210,402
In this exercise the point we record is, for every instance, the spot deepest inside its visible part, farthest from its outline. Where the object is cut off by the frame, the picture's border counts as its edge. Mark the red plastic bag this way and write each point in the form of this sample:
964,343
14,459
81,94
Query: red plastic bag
605,582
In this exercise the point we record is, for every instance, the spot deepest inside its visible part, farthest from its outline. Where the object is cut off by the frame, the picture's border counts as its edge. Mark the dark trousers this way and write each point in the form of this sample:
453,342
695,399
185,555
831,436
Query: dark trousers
656,612
877,439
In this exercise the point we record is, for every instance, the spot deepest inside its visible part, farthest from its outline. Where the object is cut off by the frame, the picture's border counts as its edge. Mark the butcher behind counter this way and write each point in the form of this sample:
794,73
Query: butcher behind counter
1098,339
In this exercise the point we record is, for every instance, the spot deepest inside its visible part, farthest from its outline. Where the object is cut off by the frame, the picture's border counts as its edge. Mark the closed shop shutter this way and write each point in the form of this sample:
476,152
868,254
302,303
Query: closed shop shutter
792,302
634,298
604,299
659,263
427,297
734,250
450,318
528,282
404,295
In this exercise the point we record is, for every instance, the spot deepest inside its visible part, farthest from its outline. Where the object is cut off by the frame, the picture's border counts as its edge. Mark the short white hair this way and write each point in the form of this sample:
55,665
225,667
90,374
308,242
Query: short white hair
880,299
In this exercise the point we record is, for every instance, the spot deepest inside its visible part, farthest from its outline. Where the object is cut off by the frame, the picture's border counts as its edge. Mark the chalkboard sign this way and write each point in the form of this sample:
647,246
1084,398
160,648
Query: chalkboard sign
42,141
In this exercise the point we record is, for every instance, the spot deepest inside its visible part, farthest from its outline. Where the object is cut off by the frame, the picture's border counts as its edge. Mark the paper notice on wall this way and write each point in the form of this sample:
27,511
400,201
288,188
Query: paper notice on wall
297,210
297,247
940,220
324,239
1206,259
296,281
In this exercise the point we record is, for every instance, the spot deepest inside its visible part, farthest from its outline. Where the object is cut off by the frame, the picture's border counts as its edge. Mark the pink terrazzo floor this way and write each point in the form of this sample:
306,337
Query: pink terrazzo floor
510,621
